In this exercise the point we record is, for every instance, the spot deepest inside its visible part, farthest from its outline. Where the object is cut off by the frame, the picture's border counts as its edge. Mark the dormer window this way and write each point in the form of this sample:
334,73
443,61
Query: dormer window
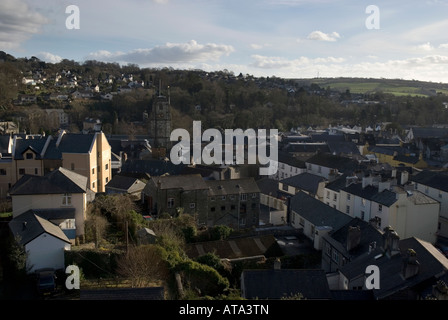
29,155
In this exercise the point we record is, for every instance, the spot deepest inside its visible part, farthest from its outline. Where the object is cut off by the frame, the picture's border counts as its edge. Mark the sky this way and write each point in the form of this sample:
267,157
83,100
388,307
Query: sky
283,38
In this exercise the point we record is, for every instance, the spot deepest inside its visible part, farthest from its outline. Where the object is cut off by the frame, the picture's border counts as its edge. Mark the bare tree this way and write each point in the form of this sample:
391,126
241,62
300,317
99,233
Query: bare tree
142,265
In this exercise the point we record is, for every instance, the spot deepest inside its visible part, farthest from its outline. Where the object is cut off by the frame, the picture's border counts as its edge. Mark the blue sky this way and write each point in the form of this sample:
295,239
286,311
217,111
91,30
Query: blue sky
283,38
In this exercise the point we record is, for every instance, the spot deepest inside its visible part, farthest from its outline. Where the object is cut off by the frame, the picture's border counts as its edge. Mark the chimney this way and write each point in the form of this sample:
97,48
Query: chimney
277,264
24,225
375,222
391,240
372,246
383,185
404,177
410,264
353,237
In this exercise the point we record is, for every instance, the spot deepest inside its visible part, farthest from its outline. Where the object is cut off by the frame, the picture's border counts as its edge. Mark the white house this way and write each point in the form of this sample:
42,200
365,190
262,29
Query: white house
435,185
44,242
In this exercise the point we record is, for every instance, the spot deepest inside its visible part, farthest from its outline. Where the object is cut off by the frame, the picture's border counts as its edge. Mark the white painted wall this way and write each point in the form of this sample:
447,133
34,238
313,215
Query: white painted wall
46,251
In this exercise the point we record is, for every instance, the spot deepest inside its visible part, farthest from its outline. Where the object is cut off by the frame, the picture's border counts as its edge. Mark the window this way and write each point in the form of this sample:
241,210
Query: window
170,202
380,207
93,170
29,155
232,197
2,172
192,205
232,207
67,199
284,187
212,209
107,179
328,249
73,166
223,208
335,197
363,202
243,197
336,256
107,166
440,194
223,197
348,196
254,195
347,210
93,185
22,171
36,171
242,221
362,215
328,194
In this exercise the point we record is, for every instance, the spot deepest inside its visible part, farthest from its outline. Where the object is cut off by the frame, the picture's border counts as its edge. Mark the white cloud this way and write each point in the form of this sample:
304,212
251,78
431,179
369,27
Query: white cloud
443,46
18,23
425,46
278,62
49,57
321,36
168,53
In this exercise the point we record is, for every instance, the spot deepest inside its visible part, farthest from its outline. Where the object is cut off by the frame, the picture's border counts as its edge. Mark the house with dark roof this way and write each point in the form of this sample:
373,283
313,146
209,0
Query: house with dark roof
409,212
43,241
309,183
234,202
277,283
53,194
407,269
314,217
85,154
168,193
434,184
346,244
288,166
331,166
121,184
272,207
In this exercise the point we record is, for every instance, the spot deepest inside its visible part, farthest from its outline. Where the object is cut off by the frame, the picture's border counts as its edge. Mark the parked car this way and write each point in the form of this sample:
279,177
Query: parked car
46,281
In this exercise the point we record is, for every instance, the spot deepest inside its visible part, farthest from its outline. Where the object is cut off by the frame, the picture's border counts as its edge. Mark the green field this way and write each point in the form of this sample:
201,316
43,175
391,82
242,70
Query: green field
390,86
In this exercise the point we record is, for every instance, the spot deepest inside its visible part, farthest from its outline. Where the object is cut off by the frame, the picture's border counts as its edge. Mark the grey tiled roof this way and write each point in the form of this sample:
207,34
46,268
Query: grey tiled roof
317,212
436,180
28,226
56,182
232,186
277,284
304,181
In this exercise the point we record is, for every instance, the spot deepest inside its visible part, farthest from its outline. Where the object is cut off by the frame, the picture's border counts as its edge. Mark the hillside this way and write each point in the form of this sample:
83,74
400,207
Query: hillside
397,87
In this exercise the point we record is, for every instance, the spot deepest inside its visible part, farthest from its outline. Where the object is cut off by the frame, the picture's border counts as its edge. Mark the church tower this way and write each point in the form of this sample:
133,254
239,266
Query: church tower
160,121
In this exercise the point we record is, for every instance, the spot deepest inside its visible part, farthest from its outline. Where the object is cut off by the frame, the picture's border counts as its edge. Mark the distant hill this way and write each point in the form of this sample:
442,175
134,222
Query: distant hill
396,87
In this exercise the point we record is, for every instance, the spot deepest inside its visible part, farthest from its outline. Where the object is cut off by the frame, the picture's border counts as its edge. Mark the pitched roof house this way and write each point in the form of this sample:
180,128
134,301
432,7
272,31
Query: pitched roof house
55,192
43,241
279,283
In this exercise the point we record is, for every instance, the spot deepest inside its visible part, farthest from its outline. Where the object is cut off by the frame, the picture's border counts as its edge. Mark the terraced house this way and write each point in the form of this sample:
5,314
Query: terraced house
85,154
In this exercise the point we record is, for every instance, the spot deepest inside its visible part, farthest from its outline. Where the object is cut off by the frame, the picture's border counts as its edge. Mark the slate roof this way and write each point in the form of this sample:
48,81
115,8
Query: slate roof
35,145
76,143
337,184
125,183
232,186
369,234
343,164
287,158
58,181
149,293
184,182
152,167
429,132
343,147
277,284
28,226
268,186
317,212
304,181
433,264
436,180
55,214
